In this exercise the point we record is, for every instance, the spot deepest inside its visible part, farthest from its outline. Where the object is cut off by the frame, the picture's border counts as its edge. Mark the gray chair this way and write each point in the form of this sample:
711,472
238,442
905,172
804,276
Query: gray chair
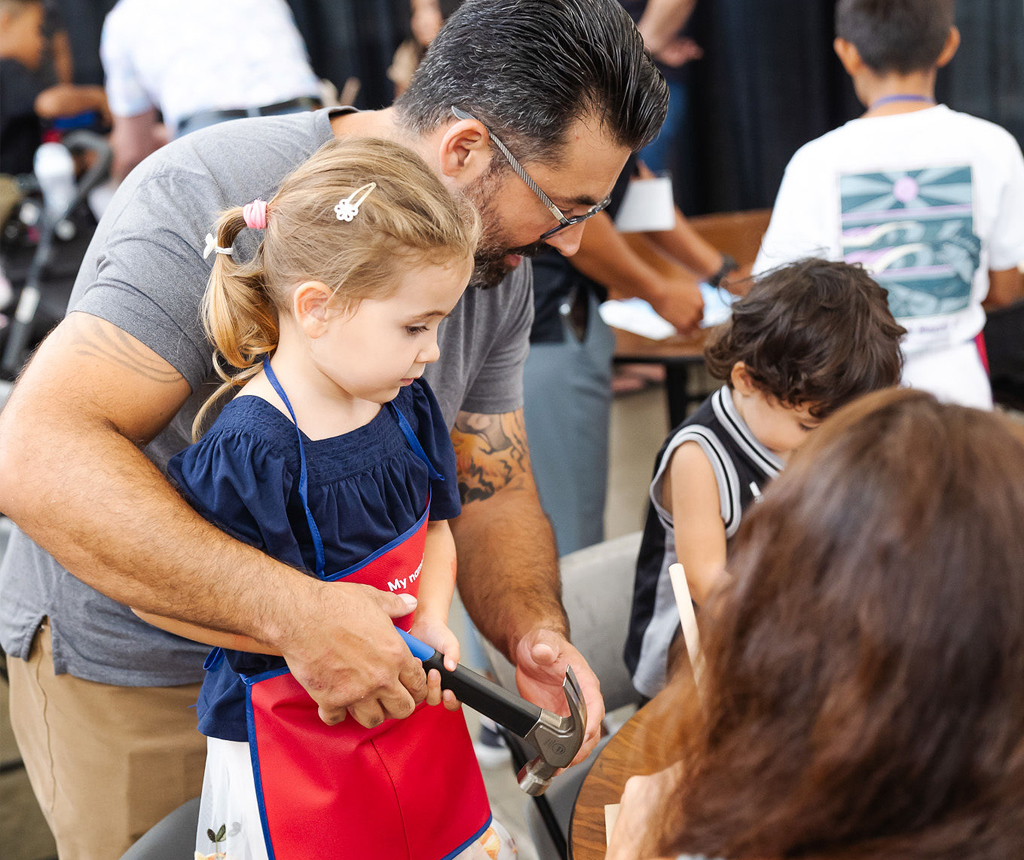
597,592
171,838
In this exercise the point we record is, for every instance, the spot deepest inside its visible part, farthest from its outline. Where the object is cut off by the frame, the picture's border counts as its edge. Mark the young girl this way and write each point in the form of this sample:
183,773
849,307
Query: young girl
805,340
334,457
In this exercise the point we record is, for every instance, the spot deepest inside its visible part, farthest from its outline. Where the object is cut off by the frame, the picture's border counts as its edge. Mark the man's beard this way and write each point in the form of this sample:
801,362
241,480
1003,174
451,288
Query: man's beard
491,264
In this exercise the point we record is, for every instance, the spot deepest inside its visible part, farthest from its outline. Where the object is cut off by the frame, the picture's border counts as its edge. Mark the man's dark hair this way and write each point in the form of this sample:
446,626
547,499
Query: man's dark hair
902,36
528,69
814,332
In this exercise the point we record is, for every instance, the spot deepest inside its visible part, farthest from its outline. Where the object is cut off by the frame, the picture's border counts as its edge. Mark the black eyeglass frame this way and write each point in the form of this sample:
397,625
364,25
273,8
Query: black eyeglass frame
564,221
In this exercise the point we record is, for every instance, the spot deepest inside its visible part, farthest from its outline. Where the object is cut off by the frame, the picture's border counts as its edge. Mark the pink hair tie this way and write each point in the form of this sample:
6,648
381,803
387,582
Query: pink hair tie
255,214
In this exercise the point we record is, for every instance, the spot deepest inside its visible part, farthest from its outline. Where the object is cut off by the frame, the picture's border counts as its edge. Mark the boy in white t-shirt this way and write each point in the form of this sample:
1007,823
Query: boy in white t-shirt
929,200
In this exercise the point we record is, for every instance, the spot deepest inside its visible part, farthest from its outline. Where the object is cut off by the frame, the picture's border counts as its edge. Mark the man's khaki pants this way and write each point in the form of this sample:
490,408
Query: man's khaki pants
106,763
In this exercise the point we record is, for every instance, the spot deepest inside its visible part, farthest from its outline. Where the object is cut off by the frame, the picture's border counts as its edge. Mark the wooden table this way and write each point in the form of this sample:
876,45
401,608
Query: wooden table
637,748
678,354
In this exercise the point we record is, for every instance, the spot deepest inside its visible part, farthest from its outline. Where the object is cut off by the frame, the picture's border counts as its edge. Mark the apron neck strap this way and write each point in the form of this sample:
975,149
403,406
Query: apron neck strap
403,423
414,443
318,544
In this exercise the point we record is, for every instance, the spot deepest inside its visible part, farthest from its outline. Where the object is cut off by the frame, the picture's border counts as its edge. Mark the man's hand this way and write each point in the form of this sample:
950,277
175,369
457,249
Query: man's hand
541,657
349,657
369,685
681,304
508,569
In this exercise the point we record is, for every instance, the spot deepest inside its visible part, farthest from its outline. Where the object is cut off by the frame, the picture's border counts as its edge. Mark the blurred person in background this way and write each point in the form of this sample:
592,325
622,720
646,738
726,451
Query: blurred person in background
175,66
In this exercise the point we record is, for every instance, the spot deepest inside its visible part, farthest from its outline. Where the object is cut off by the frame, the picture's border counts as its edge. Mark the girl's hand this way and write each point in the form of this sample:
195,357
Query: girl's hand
637,823
438,636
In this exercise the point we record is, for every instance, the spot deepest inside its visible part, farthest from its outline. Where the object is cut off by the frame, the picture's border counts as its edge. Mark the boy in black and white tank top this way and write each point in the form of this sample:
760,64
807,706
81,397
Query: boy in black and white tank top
807,339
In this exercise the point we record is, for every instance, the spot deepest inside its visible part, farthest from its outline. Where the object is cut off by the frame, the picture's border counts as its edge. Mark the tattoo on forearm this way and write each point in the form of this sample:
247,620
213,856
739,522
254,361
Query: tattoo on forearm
491,451
93,340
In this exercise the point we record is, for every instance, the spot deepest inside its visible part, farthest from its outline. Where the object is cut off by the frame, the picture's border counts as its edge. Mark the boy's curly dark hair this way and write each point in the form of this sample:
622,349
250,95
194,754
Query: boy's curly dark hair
814,333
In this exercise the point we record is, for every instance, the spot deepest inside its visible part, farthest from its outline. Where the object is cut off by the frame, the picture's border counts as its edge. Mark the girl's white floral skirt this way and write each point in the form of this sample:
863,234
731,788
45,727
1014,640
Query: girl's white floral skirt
229,817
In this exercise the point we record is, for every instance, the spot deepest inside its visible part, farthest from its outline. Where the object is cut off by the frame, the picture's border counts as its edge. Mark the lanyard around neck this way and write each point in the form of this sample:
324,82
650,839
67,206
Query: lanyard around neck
900,97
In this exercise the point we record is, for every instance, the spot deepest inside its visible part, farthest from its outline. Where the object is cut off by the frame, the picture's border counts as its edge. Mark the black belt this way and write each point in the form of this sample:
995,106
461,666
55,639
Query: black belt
208,117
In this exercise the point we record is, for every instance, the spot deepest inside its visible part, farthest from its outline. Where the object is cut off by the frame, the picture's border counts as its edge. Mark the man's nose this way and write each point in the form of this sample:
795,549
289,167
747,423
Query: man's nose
567,241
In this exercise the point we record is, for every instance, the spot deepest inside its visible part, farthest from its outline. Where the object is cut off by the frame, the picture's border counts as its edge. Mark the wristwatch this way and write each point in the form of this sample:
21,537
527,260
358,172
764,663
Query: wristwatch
728,265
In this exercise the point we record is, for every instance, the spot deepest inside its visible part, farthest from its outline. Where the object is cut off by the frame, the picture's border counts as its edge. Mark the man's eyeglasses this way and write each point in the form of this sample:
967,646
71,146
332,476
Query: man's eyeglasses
564,221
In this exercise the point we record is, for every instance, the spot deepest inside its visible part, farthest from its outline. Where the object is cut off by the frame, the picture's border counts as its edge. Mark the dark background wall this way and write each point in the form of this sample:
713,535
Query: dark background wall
768,82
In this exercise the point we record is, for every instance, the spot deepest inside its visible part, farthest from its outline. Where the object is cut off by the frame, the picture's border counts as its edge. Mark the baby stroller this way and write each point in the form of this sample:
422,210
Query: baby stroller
45,239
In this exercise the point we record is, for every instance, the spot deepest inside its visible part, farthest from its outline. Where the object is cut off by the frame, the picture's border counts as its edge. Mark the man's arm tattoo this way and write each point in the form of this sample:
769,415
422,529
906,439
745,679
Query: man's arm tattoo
93,340
491,452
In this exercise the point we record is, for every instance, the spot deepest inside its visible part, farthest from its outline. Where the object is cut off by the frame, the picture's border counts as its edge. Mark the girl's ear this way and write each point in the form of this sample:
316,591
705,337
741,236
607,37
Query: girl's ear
310,303
741,381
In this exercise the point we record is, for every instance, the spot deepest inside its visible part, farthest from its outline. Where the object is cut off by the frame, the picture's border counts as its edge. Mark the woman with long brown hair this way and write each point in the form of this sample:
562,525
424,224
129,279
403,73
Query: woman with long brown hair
863,690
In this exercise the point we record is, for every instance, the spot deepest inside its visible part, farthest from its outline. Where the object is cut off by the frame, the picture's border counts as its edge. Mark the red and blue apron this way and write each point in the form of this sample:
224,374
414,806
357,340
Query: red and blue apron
405,790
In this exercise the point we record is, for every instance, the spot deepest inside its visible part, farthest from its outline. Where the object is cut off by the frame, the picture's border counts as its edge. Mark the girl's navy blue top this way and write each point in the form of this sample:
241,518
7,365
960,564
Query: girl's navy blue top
366,488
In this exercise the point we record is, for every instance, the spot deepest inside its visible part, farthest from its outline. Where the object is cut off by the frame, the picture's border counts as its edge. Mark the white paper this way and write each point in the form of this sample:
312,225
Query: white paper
717,305
611,814
639,317
647,206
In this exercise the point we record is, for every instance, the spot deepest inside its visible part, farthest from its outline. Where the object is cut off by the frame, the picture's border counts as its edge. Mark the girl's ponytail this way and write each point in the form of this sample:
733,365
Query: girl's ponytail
238,314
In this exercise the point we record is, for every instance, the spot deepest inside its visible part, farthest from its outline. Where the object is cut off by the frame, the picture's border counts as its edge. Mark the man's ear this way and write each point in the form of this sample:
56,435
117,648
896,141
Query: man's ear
741,381
849,56
464,153
310,304
950,48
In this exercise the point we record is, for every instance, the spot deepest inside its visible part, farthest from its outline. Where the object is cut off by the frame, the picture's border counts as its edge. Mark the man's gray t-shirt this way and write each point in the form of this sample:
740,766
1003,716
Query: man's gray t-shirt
145,273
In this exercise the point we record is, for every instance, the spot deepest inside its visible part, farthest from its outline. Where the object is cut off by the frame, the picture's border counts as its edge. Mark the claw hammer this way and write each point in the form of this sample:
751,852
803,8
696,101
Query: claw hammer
556,739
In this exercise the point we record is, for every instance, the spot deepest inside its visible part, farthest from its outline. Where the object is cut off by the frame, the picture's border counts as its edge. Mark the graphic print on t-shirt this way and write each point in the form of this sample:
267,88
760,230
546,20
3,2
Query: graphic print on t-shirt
914,231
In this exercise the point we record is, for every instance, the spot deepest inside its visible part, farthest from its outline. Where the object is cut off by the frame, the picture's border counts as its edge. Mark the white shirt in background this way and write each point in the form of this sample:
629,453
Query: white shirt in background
189,56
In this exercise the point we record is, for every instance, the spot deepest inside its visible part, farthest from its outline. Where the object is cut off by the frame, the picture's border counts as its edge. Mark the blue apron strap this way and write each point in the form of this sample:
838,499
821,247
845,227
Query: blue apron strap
213,659
318,544
414,443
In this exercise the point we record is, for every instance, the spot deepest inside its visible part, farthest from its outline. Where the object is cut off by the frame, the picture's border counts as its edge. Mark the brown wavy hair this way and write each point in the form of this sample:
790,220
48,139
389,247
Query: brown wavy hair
814,332
863,691
410,218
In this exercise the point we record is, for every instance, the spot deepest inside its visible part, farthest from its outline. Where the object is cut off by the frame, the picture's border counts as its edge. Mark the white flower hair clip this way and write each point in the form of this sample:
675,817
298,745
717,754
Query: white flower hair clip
211,246
348,207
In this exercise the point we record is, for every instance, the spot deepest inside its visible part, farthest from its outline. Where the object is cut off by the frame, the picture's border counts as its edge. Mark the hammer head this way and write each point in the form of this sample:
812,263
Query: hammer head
556,738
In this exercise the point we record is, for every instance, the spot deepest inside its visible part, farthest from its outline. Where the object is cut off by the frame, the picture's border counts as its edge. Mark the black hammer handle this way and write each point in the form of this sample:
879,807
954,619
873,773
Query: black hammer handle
471,688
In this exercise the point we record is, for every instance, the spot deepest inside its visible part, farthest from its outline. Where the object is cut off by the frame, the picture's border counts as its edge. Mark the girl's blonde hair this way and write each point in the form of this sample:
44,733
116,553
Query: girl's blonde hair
409,218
